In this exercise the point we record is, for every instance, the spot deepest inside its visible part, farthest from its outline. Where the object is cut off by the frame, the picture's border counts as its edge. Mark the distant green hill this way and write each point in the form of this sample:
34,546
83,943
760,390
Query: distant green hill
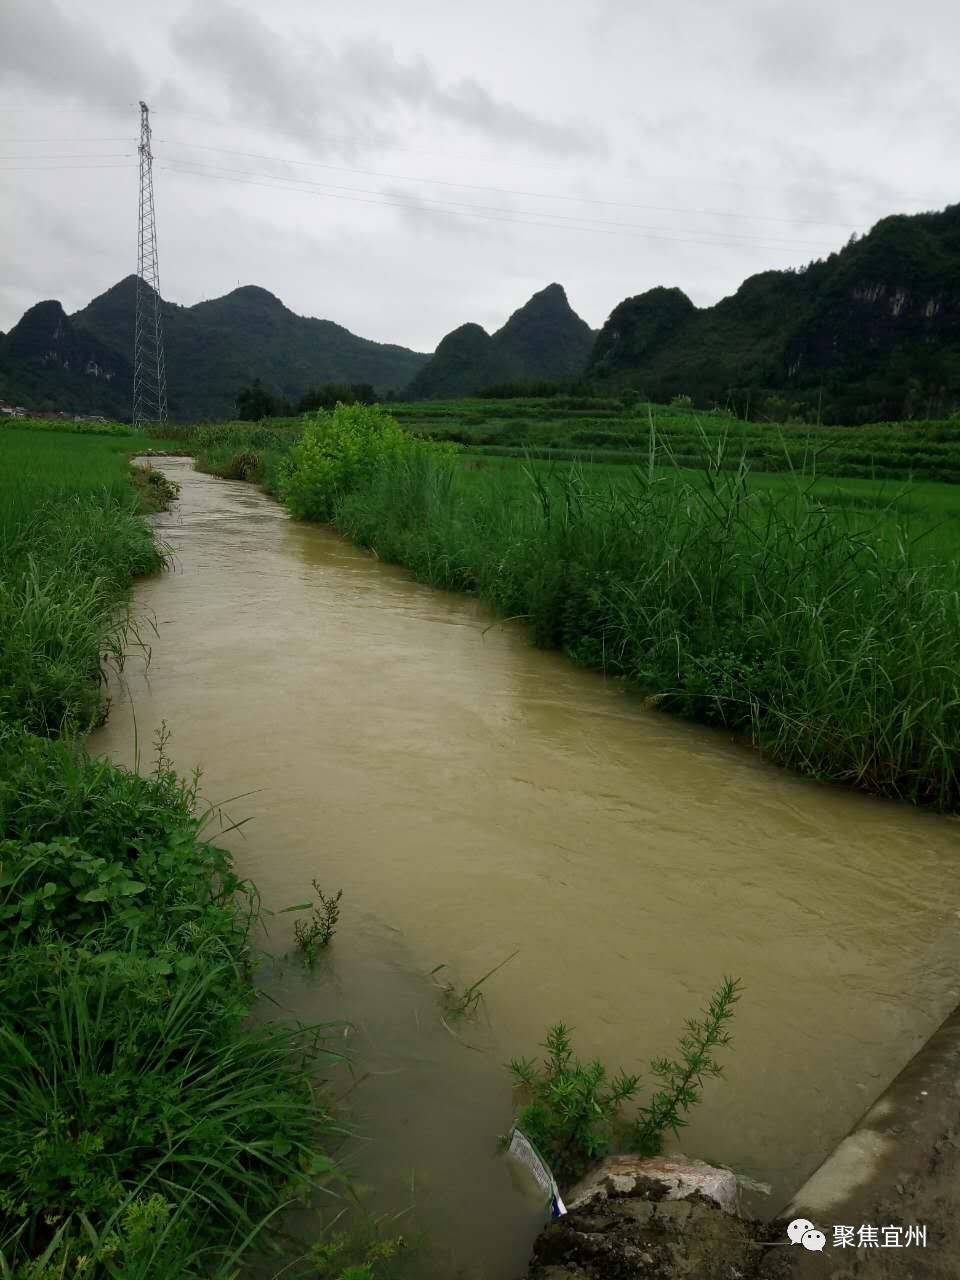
81,362
545,339
871,333
214,348
47,363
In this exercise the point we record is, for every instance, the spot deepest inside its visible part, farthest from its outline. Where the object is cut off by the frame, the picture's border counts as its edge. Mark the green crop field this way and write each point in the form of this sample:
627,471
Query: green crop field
594,429
565,427
892,474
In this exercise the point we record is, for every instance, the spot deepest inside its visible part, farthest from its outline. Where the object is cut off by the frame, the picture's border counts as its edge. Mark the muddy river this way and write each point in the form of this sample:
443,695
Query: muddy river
474,796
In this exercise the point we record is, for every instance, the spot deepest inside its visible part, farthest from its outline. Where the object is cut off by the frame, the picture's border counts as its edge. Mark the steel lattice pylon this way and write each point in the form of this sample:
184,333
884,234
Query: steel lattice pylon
149,370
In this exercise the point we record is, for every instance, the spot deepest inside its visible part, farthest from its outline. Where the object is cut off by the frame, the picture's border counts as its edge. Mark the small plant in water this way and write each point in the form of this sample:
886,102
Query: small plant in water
573,1107
683,1077
572,1110
462,1002
314,934
364,1252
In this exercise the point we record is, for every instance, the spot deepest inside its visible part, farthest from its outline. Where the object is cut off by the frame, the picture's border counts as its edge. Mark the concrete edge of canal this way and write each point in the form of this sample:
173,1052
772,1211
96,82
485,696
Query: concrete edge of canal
899,1166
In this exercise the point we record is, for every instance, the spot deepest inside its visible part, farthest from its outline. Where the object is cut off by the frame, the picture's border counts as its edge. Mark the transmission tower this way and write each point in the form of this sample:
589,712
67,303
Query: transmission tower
149,371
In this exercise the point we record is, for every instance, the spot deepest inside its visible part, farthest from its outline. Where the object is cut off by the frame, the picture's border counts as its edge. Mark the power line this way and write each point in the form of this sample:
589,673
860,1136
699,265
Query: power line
469,213
457,205
72,155
70,111
471,186
698,180
442,182
124,138
473,158
53,168
510,191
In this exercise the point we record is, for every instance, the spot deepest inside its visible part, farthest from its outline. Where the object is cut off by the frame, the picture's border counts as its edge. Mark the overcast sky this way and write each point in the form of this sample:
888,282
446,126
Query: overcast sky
403,166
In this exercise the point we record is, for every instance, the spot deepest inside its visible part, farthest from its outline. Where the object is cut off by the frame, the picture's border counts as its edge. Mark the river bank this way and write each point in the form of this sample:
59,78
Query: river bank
145,1129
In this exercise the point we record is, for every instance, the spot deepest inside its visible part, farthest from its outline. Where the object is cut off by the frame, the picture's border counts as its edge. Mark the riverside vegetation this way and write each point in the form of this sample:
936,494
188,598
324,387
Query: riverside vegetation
821,621
146,1131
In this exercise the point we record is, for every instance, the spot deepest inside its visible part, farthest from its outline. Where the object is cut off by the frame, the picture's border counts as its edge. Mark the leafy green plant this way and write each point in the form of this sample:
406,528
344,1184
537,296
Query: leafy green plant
362,1254
573,1107
314,934
337,450
90,852
573,1110
683,1076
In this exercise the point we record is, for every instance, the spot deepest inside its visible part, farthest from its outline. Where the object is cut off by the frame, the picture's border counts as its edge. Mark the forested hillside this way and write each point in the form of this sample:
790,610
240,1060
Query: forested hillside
870,333
82,362
544,339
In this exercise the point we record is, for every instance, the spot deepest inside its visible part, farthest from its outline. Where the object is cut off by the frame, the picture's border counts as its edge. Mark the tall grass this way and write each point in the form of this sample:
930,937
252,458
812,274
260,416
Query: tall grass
830,641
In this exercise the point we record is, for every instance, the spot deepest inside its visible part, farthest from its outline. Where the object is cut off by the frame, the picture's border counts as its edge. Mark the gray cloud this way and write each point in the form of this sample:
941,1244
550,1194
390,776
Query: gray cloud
797,50
341,101
39,44
434,219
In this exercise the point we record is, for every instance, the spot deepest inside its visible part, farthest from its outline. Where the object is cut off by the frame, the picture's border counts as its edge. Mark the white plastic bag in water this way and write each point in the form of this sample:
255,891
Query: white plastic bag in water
525,1153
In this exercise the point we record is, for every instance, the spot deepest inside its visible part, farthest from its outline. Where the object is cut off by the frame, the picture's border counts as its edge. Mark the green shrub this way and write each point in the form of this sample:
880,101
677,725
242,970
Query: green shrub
573,1111
341,451
574,1107
337,451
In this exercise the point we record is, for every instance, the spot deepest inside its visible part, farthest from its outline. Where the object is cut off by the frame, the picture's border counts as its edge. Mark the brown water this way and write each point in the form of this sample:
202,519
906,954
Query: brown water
473,795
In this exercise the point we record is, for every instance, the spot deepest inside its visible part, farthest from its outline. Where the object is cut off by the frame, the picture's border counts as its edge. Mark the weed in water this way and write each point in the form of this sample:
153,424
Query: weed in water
683,1076
573,1106
463,1002
361,1254
314,934
573,1110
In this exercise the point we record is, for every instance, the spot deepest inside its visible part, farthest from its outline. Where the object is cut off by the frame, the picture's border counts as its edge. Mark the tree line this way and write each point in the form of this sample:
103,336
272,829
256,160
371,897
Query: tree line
257,401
